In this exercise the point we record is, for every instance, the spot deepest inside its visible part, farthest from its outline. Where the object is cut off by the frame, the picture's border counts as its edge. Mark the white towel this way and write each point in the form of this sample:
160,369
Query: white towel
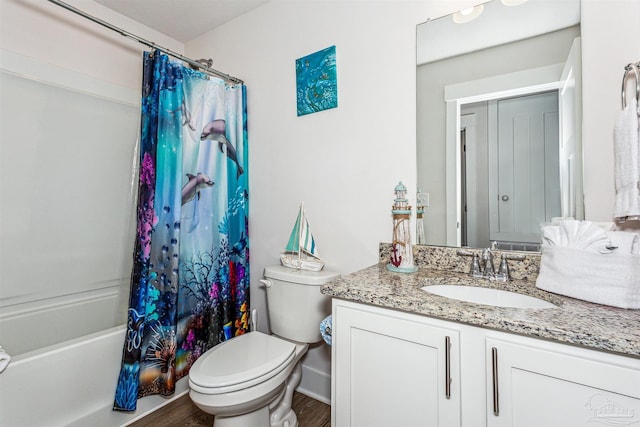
604,279
583,235
627,164
625,242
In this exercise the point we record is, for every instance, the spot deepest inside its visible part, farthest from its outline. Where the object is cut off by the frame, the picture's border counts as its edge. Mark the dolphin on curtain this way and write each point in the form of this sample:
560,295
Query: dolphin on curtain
216,131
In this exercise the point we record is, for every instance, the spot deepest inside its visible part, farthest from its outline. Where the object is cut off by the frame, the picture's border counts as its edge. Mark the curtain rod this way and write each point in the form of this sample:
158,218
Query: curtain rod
198,65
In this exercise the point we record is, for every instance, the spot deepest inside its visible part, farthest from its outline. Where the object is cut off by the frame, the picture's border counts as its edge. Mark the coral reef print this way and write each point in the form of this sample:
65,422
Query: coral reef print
190,278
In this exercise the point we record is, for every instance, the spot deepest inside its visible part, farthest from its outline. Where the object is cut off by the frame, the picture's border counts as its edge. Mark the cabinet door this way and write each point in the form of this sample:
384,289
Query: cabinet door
555,385
390,369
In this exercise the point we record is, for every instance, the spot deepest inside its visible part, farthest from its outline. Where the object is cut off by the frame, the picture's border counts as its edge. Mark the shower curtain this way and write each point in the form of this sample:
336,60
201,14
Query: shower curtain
190,278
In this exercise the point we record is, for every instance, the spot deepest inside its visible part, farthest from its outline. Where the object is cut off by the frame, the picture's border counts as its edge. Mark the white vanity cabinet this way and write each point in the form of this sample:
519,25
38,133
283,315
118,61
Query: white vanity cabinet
393,369
532,383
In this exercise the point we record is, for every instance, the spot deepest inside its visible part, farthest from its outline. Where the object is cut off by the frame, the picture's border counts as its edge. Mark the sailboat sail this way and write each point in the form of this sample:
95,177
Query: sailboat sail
294,239
308,244
301,237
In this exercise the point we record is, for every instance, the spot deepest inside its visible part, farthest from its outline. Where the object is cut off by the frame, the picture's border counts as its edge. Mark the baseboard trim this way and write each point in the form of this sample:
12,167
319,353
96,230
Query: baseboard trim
315,384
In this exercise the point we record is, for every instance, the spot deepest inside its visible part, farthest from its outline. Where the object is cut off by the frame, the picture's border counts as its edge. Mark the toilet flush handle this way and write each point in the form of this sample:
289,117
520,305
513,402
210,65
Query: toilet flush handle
266,282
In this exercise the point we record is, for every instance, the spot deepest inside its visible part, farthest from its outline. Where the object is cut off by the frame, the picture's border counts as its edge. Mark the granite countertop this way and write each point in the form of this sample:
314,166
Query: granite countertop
576,322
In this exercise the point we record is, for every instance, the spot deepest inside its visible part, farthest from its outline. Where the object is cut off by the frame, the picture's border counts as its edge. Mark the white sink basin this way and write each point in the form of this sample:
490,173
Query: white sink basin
486,296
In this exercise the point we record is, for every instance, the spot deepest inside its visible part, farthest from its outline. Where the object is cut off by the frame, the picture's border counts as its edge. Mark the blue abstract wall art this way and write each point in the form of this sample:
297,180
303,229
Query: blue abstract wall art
316,83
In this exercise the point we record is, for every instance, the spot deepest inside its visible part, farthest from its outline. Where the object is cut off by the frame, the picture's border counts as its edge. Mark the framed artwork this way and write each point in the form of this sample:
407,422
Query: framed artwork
316,83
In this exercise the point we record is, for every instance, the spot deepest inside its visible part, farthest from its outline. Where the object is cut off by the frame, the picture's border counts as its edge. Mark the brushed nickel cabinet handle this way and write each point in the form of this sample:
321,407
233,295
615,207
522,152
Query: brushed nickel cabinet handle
447,367
494,361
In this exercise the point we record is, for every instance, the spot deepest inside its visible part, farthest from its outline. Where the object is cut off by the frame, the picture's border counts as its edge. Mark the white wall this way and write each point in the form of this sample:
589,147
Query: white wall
611,34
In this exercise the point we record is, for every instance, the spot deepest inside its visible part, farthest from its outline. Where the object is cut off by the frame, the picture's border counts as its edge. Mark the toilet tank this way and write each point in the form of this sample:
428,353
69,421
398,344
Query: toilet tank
294,302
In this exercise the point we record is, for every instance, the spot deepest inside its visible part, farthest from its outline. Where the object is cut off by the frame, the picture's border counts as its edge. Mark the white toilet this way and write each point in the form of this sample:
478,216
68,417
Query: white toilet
248,381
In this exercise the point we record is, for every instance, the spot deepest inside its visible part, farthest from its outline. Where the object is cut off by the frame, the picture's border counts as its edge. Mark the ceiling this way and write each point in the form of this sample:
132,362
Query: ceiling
182,20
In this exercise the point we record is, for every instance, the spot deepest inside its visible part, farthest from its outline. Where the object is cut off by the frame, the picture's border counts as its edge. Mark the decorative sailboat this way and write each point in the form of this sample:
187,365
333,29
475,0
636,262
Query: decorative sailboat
301,252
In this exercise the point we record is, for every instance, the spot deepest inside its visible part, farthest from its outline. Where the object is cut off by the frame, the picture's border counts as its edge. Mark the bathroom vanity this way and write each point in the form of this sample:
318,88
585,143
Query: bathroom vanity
404,356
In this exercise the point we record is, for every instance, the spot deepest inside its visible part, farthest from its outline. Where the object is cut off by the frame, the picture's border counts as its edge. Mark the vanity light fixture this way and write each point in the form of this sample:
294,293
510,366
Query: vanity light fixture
513,2
468,15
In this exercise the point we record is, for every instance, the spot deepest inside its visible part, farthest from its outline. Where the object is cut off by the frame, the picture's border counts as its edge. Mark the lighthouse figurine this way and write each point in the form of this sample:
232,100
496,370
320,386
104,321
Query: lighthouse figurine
401,259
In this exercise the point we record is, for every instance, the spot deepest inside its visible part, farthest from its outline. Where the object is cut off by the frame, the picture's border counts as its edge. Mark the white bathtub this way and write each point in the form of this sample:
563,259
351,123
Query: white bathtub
66,355
71,384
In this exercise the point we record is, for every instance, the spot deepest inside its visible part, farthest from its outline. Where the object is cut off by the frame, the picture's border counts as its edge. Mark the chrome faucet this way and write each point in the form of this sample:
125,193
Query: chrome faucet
482,267
487,260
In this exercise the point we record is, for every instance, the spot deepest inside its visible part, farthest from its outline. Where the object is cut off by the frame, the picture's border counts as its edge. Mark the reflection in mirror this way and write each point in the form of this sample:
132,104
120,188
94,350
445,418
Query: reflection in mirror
499,124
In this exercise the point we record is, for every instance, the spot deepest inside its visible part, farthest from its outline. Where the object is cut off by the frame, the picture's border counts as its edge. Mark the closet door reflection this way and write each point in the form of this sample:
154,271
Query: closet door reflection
523,165
513,145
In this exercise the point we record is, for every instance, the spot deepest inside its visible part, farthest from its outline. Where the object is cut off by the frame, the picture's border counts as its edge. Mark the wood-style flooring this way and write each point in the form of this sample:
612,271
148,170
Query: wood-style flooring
183,413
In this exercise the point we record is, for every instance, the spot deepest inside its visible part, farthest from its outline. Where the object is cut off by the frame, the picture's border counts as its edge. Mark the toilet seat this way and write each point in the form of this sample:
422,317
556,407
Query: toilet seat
240,363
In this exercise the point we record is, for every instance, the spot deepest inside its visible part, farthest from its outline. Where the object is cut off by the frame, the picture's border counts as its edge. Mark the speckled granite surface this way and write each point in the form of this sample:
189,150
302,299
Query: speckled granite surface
574,321
447,259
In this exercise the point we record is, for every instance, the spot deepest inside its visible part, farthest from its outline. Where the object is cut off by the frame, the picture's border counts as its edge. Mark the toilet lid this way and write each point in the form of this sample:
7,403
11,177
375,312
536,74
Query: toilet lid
240,360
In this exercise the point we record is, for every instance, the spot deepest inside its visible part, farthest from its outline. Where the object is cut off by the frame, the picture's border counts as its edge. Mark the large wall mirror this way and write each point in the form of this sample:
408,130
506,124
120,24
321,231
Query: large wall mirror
499,123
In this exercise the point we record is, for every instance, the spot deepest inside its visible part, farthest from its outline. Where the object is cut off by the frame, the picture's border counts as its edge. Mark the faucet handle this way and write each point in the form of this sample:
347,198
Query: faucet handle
464,252
475,266
514,257
503,271
503,274
475,270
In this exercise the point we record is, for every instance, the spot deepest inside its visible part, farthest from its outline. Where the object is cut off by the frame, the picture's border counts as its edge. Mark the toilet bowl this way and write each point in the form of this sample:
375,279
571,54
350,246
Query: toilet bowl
249,380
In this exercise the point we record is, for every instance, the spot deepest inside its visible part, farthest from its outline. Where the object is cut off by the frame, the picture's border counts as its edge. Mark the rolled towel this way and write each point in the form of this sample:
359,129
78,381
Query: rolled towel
325,329
5,358
625,242
583,235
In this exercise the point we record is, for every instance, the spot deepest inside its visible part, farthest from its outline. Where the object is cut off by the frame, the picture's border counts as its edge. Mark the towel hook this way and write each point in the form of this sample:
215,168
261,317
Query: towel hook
630,67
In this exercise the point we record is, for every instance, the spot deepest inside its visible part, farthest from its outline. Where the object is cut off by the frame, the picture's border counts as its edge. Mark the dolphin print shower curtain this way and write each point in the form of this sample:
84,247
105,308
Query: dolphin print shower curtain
190,278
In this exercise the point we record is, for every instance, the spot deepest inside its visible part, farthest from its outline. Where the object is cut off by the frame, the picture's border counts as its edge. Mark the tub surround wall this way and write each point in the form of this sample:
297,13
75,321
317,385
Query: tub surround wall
66,58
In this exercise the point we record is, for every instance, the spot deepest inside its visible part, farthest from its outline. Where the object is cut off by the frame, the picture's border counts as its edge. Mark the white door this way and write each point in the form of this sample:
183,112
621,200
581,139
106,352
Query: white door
474,185
523,164
532,387
390,371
